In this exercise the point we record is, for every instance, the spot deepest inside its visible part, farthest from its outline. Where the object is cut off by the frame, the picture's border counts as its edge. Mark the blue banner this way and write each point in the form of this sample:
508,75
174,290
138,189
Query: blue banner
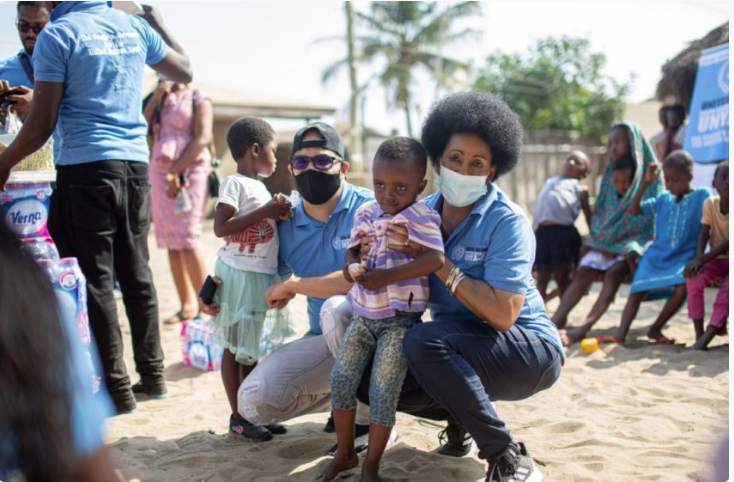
707,135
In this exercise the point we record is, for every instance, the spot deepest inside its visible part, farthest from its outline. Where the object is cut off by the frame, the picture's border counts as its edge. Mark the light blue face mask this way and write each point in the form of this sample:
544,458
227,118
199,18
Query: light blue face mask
459,190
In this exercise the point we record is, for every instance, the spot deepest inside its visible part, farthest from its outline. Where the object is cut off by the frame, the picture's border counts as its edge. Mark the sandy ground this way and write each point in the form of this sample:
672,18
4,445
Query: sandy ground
640,413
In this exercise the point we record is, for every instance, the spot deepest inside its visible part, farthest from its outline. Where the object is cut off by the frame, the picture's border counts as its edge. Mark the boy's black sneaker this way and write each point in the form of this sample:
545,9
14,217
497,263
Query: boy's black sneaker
155,391
513,464
243,428
455,441
329,427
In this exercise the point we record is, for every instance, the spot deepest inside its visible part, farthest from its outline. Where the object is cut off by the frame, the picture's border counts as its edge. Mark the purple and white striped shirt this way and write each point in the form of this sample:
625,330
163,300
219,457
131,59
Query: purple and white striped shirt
423,225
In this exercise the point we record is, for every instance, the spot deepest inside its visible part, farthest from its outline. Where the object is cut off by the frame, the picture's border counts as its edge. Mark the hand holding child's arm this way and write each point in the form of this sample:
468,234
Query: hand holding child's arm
651,175
400,241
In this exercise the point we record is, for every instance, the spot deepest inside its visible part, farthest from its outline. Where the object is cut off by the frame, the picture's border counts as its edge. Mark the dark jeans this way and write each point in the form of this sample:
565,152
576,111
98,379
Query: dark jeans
100,214
456,368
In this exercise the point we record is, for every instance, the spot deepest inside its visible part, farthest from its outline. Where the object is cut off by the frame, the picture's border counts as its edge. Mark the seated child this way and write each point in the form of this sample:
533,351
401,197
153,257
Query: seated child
389,296
711,266
616,239
677,214
245,216
557,240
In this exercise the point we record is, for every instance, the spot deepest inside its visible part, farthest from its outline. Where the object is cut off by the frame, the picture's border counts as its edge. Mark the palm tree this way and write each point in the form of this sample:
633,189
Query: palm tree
407,35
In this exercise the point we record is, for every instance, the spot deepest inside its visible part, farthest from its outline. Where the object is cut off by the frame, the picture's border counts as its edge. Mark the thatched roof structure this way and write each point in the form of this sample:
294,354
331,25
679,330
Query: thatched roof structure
679,74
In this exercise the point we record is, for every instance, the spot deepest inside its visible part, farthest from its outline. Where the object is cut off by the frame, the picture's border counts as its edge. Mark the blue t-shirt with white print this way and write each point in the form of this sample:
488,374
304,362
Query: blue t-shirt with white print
98,53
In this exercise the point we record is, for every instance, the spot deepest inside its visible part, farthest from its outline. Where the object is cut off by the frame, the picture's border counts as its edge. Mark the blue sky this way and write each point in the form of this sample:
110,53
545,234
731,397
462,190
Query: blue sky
271,48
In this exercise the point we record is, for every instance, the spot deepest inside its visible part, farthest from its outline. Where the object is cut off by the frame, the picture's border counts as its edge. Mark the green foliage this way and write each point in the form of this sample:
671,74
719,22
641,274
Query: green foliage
559,85
403,36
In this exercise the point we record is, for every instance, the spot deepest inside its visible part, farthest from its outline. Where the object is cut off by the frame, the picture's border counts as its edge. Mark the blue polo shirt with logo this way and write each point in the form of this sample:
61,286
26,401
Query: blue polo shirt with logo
495,243
12,70
311,248
98,53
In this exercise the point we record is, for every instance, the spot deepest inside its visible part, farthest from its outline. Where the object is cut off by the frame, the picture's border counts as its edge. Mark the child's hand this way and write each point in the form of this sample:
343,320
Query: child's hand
693,268
211,309
653,172
354,271
374,279
279,208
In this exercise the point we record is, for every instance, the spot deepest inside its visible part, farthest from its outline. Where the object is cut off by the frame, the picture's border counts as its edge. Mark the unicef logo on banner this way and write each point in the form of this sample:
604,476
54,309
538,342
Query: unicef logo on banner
26,217
723,78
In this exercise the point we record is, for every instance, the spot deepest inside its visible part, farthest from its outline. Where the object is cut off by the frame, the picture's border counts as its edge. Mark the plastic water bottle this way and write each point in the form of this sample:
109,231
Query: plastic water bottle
40,248
70,287
25,208
183,202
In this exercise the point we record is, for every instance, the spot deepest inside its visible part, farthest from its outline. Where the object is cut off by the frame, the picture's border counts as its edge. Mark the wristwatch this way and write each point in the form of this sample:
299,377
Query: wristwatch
170,176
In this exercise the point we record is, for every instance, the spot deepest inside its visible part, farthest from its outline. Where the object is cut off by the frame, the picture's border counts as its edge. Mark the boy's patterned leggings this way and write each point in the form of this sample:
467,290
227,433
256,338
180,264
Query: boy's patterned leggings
364,337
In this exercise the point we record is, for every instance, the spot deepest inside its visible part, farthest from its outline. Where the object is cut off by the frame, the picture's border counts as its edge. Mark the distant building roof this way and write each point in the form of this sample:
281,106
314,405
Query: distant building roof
230,105
679,74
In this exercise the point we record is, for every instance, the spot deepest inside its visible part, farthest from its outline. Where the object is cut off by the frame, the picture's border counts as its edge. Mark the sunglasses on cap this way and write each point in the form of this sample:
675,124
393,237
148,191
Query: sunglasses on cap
25,28
321,162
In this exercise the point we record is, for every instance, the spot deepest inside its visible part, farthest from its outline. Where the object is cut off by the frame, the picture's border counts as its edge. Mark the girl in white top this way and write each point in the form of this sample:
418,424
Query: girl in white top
246,217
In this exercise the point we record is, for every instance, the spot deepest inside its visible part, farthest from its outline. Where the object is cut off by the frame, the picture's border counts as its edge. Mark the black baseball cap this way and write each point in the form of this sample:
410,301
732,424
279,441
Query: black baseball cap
330,139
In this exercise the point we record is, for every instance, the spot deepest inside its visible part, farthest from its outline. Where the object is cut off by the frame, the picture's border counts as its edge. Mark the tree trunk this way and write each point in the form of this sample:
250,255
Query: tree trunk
408,123
355,129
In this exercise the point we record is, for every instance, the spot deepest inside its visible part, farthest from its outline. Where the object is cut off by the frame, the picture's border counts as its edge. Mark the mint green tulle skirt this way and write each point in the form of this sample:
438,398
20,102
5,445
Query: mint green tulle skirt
245,325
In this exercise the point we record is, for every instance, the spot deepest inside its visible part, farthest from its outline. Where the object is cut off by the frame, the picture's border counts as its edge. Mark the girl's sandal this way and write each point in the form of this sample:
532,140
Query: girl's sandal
176,319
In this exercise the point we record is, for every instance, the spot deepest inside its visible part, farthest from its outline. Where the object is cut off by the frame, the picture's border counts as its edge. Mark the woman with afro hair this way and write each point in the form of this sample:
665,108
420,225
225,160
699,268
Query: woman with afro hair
490,338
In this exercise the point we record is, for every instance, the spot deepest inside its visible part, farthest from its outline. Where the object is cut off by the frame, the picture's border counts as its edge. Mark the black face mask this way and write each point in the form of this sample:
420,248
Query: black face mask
317,187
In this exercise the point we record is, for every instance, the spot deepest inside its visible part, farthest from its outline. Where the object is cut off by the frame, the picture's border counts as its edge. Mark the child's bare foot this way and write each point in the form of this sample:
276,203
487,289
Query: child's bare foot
370,472
574,335
338,464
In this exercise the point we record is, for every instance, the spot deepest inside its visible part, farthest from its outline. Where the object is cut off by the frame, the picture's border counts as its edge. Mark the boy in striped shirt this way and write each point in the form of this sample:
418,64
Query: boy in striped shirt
389,296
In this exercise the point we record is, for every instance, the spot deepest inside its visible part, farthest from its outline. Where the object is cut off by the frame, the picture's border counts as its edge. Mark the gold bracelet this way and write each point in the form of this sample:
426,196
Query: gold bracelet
452,275
455,286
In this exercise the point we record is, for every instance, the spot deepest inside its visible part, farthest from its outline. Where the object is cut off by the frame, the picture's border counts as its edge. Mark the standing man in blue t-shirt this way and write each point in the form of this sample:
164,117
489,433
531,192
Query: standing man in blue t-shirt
17,71
88,74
